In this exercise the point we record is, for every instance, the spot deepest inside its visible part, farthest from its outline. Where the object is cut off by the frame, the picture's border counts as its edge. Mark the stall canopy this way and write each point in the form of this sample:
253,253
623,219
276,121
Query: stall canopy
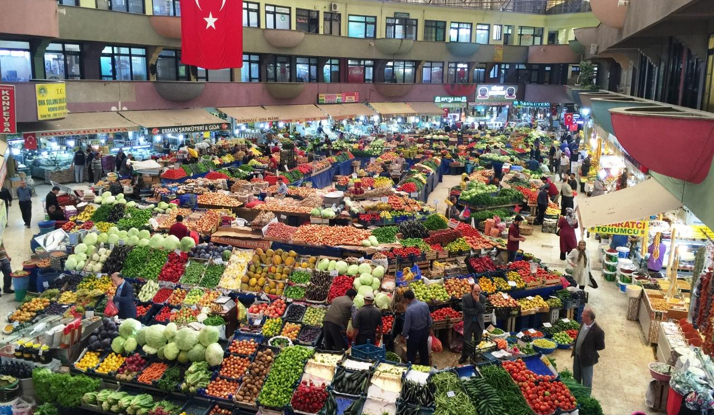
426,108
250,114
176,121
392,108
634,203
342,111
81,124
297,113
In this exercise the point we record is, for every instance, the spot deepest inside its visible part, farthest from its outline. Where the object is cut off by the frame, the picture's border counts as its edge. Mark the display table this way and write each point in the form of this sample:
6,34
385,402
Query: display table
670,337
650,317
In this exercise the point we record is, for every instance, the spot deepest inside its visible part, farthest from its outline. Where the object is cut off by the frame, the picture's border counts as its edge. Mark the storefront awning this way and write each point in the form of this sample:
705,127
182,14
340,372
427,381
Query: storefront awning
176,121
296,113
249,114
393,108
80,123
426,108
342,111
634,203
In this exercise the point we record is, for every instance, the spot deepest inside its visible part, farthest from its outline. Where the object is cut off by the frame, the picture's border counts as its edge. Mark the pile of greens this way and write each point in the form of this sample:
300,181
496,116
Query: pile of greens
587,404
61,388
435,222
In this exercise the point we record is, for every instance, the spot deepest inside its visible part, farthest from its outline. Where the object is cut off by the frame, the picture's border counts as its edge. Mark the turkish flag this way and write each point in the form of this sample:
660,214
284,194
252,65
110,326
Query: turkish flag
30,141
212,33
568,119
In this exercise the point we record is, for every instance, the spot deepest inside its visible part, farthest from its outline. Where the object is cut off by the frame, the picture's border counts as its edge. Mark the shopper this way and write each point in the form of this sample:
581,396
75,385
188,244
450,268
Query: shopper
124,297
6,268
579,260
532,164
119,160
178,229
542,204
78,163
89,159
599,188
6,196
514,238
96,167
657,252
566,229
334,325
566,195
552,189
473,304
367,323
124,169
282,187
564,163
573,182
552,158
590,340
417,329
52,206
24,195
584,172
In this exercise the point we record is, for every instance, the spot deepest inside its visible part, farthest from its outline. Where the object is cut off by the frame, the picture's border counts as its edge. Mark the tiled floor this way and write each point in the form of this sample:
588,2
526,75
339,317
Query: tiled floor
621,377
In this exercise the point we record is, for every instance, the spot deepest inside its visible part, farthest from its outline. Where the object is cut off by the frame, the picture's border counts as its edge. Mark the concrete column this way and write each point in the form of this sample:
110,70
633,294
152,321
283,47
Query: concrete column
379,65
153,54
264,67
91,53
320,69
471,67
37,51
418,72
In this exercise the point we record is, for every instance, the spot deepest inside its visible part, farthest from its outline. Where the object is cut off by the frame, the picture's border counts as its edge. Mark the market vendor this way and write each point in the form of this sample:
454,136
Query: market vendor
282,186
417,329
532,164
473,304
124,297
514,238
452,211
334,325
657,251
367,323
178,229
54,210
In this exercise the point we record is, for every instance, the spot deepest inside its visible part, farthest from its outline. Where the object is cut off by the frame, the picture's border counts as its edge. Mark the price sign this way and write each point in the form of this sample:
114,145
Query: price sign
529,298
413,194
385,199
504,295
471,281
566,320
450,394
334,273
547,325
46,284
283,217
453,223
519,335
531,331
512,283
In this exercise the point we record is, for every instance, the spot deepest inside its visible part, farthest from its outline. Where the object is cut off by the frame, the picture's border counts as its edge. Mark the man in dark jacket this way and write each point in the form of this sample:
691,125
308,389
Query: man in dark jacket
474,305
584,171
52,204
6,196
90,157
119,160
590,340
542,202
334,326
78,163
124,297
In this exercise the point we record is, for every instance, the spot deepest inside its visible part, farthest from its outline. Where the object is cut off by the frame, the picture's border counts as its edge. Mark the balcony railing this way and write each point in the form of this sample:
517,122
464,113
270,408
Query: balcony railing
516,6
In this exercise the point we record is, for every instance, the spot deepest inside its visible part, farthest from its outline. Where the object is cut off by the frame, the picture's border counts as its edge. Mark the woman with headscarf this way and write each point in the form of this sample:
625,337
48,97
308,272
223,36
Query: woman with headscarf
599,188
579,259
567,225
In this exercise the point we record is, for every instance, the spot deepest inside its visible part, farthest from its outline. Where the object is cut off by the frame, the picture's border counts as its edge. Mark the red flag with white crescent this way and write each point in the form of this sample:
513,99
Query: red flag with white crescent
212,33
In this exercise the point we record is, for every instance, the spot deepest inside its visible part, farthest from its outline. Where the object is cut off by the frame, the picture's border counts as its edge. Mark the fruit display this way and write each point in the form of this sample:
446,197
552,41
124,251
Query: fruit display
457,287
387,323
502,300
295,312
163,315
543,394
222,388
533,304
544,344
295,292
285,372
313,316
430,293
29,310
152,269
67,297
177,297
185,316
208,298
516,277
233,367
210,251
162,295
235,272
131,367
554,303
291,330
445,313
193,296
272,326
563,338
501,284
330,235
487,286
309,398
308,335
111,363
339,287
243,347
90,360
254,380
148,291
174,268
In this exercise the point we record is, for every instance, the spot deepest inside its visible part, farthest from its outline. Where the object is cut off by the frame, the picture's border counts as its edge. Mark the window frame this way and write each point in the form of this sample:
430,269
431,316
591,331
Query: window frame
116,52
310,14
334,65
458,29
251,59
366,25
26,50
452,77
207,76
63,2
273,61
403,65
430,66
409,27
175,5
479,73
176,64
507,34
328,18
311,63
248,10
65,53
497,32
364,63
434,25
126,9
535,35
481,29
274,14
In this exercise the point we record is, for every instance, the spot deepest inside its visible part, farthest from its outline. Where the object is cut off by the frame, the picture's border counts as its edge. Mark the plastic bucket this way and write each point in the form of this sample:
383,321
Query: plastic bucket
633,291
611,266
609,276
623,252
624,263
46,226
611,255
622,286
625,278
44,277
20,284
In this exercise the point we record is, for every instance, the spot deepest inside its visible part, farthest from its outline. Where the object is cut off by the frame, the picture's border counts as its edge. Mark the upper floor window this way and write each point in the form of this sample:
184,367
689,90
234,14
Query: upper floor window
308,21
332,24
497,32
331,71
458,72
306,69
479,73
210,75
460,32
15,61
278,69
251,14
507,34
167,7
131,6
251,68
123,64
62,61
360,71
169,66
482,33
67,2
277,17
432,73
529,36
401,28
361,26
400,72
434,30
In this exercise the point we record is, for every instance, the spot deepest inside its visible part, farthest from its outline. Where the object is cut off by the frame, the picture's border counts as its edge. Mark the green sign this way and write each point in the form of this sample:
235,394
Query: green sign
401,15
531,104
450,100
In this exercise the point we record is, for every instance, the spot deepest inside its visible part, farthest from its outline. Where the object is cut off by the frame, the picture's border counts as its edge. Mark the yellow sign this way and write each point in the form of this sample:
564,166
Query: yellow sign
51,101
630,228
498,53
701,232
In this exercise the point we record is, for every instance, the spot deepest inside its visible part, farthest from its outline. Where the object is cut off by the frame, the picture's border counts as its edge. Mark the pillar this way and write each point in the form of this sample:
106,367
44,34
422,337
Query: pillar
91,54
153,53
37,51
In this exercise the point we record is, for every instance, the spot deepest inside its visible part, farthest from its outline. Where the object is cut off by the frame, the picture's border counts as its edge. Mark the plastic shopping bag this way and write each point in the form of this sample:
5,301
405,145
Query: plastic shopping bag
111,309
436,345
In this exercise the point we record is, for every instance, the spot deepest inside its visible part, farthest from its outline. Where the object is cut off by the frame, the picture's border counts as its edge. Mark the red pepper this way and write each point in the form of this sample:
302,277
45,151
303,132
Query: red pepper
164,314
162,295
339,287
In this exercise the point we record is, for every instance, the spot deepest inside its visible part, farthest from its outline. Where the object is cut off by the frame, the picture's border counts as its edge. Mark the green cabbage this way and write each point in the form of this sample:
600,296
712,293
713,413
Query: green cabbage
113,238
197,353
144,234
155,336
183,356
186,338
129,327
113,230
118,345
141,336
170,330
80,248
90,239
208,335
187,243
130,345
382,301
156,241
358,301
366,279
171,243
378,272
341,267
364,269
171,351
133,231
133,240
143,242
353,270
214,354
364,290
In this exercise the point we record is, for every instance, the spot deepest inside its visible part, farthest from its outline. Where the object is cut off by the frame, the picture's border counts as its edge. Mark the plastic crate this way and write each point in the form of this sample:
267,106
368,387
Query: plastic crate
368,352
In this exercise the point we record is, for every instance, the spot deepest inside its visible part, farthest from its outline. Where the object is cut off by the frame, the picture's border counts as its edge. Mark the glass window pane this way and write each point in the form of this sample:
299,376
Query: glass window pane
222,75
138,51
122,68
371,30
73,67
71,48
54,65
138,68
105,63
136,6
356,29
9,44
55,47
282,21
163,8
166,69
15,66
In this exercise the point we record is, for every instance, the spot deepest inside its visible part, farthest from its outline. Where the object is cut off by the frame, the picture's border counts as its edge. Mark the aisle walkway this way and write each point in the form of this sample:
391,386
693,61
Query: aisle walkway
621,377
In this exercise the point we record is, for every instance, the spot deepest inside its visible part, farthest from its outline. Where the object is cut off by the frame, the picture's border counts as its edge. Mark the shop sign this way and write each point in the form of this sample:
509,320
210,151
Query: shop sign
341,98
450,100
81,132
8,122
701,232
531,104
629,228
402,15
189,129
355,74
496,92
51,101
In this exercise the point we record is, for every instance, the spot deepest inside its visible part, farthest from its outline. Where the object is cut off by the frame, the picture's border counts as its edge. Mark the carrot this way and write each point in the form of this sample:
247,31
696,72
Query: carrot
152,373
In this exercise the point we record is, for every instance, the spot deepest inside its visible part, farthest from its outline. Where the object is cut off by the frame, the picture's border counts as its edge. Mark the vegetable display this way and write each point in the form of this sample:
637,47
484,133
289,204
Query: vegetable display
287,369
449,397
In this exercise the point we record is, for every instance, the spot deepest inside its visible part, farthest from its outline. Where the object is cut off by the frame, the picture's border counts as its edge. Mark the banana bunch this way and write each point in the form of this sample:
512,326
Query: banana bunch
407,274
